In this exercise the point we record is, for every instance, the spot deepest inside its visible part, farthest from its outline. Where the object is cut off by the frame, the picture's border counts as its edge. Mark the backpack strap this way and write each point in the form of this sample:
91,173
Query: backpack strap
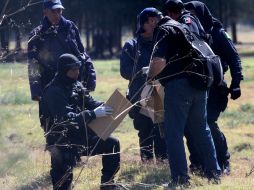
183,29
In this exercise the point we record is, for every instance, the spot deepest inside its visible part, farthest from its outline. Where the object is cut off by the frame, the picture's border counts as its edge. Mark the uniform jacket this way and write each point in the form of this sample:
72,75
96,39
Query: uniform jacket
221,44
45,46
65,111
136,54
192,23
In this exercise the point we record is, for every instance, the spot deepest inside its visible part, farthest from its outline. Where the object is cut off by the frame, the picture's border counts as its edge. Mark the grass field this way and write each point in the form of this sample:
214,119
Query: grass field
25,164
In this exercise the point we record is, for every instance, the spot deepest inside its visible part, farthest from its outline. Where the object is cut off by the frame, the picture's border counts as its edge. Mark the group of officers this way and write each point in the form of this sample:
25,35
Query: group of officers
61,75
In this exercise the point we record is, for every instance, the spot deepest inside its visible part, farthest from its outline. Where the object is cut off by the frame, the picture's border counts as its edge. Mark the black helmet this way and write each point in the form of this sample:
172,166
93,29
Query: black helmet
66,62
173,6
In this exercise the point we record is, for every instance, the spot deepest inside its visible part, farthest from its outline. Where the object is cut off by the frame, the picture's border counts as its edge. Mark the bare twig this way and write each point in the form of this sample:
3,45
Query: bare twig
4,16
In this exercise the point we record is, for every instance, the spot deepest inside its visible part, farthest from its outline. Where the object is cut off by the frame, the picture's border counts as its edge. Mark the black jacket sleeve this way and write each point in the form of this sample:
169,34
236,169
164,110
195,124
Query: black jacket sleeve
128,60
228,54
60,109
34,68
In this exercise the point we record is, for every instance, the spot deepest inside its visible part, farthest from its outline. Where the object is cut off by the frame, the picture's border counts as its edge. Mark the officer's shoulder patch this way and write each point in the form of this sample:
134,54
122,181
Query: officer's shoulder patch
187,20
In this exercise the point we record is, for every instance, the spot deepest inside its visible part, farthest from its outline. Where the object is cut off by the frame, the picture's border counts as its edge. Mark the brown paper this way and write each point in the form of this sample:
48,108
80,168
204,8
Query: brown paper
104,126
154,107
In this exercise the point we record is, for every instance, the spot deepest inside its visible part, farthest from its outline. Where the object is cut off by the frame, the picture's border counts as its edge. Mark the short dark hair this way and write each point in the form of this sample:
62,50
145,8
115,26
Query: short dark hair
175,6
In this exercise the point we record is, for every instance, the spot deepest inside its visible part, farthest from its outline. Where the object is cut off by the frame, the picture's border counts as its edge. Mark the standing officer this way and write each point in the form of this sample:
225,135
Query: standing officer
65,112
176,10
185,106
136,55
48,41
218,96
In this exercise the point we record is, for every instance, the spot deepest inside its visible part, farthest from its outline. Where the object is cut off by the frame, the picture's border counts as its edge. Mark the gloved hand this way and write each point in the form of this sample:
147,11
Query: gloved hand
103,110
145,70
235,90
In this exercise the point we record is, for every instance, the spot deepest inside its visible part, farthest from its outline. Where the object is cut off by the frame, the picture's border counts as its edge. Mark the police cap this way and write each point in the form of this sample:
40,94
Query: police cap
144,15
52,4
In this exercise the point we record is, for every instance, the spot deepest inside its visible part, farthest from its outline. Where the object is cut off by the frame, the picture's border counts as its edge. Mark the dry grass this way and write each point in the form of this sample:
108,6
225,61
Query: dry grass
25,165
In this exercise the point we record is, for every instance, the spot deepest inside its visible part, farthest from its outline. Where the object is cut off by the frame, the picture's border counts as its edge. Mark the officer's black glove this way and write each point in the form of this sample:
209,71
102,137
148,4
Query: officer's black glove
235,90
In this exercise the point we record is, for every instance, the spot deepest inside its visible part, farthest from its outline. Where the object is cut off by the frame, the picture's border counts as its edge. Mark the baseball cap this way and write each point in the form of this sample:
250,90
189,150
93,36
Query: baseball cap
144,15
52,4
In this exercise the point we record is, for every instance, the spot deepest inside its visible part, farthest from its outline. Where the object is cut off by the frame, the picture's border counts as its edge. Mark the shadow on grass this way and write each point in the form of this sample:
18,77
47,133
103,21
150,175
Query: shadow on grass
41,183
149,177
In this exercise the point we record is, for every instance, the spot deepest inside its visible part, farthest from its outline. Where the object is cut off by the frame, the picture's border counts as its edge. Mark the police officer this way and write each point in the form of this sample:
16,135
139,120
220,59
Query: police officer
175,9
185,106
47,42
218,96
136,55
66,110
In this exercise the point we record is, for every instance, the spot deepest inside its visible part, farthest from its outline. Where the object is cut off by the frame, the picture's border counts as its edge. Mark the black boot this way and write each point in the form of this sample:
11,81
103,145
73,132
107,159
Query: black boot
110,185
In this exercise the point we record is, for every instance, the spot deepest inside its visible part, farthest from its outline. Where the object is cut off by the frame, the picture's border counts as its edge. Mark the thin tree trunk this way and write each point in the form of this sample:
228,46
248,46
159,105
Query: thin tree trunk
234,32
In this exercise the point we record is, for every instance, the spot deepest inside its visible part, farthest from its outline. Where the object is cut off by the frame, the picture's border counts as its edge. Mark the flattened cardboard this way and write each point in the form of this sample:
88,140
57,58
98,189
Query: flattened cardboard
104,126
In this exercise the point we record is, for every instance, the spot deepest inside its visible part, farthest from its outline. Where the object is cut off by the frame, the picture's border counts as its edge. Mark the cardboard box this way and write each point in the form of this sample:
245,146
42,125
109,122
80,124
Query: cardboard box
104,126
154,104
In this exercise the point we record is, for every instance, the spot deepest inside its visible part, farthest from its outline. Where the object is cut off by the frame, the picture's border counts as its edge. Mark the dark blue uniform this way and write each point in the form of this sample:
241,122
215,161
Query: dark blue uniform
192,23
136,54
65,112
222,45
45,46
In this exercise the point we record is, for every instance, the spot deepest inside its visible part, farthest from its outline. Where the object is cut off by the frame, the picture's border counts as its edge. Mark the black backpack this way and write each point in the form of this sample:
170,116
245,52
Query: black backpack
205,68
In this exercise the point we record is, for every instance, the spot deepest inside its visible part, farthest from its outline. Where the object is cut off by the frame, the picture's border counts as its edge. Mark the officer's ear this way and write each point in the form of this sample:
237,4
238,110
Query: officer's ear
153,21
193,12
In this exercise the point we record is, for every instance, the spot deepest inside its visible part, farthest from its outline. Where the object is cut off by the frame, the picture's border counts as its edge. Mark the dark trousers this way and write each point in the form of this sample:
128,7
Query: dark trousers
217,103
150,141
185,107
64,159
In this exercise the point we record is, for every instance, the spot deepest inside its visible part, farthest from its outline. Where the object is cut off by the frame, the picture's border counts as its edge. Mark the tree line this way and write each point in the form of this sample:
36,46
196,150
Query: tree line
103,23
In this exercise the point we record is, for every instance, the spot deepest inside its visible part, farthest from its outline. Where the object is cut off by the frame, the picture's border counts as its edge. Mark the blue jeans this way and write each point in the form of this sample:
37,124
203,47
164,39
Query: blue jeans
185,106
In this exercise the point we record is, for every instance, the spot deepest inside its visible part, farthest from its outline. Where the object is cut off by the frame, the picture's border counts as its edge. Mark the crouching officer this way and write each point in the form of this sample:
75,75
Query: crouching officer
66,111
134,60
